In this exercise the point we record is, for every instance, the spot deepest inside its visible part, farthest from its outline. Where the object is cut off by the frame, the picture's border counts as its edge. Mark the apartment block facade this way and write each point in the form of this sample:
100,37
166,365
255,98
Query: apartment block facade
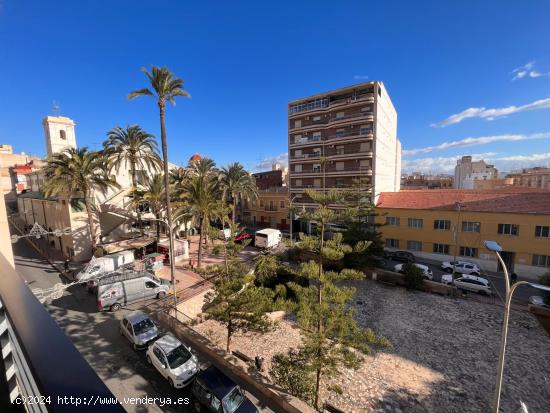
354,129
537,177
430,224
467,172
270,210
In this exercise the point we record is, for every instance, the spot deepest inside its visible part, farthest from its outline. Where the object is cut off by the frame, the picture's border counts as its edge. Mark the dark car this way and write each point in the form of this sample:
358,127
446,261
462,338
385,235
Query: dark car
403,256
217,393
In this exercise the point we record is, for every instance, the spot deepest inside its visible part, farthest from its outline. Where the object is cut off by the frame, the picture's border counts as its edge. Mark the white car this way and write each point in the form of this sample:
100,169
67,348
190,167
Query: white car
427,272
173,360
473,283
538,300
462,267
139,329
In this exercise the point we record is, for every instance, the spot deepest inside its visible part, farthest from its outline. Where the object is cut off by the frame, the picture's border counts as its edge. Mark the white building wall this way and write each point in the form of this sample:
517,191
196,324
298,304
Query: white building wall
60,133
387,153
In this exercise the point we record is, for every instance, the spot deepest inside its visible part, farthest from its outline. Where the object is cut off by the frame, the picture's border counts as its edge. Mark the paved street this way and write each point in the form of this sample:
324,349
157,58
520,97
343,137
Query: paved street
96,335
521,295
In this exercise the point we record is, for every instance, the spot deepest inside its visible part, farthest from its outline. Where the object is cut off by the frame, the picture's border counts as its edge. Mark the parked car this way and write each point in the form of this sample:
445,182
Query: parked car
243,236
473,283
173,360
215,392
462,267
118,289
426,271
139,329
538,300
403,256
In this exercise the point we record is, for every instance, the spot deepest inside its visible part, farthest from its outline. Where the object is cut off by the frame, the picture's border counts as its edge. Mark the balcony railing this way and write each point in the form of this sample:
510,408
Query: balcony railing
326,121
39,362
306,155
270,208
324,103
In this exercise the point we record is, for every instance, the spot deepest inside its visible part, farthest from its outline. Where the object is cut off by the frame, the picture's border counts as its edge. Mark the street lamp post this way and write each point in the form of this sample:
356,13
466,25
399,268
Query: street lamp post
496,248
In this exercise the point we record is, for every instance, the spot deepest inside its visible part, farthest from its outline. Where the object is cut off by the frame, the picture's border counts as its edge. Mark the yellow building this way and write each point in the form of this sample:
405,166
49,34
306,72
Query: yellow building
437,224
269,210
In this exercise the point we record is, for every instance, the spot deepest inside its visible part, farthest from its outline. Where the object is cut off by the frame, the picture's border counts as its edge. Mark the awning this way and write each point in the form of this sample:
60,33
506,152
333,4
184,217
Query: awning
128,244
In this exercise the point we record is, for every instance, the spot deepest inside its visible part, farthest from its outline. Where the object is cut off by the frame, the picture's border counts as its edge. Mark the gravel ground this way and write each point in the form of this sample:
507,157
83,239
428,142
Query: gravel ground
443,360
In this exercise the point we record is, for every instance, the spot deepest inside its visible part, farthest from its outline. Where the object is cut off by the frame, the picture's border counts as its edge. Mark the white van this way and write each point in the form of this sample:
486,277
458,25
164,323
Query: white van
104,265
267,238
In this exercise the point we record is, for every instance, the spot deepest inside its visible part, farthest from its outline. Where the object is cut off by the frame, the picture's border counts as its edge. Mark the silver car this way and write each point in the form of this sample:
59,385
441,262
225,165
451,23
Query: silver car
139,329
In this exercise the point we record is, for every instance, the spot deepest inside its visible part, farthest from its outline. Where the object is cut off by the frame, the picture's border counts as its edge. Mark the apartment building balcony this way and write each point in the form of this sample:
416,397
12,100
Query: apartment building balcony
338,154
323,122
332,171
305,156
270,208
348,136
39,363
323,106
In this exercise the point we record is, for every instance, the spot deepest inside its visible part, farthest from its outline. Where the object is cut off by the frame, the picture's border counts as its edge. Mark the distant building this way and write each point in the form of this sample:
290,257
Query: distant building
270,179
429,224
468,171
493,183
271,209
537,177
416,180
342,136
13,181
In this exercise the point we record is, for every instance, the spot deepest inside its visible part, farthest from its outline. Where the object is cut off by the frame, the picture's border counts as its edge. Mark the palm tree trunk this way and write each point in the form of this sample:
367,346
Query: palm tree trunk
157,216
161,104
200,243
234,207
134,188
91,224
229,333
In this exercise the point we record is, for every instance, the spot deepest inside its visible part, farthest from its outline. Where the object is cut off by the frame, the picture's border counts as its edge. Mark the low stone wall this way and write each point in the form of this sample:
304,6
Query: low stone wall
542,314
390,277
267,393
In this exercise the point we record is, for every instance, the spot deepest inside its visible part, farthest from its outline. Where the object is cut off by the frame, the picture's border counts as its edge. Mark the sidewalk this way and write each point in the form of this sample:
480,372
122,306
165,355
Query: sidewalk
54,257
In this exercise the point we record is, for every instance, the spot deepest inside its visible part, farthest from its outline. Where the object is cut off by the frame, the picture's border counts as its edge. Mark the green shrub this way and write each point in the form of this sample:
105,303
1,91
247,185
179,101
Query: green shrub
413,276
290,371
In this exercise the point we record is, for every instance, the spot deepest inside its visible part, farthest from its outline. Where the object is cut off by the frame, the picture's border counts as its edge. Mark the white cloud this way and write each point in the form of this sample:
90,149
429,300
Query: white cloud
360,77
527,70
491,114
446,164
266,163
482,140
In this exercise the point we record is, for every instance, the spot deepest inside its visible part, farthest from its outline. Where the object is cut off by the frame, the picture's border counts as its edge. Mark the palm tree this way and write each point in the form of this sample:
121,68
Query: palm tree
153,192
131,147
237,183
201,195
204,168
79,171
166,87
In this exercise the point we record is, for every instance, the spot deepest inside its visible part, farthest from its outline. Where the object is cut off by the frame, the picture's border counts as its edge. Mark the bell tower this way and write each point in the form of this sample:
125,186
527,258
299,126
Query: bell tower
59,132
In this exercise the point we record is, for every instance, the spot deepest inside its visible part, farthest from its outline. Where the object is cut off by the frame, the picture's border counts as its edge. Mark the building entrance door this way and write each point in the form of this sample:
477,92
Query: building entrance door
508,258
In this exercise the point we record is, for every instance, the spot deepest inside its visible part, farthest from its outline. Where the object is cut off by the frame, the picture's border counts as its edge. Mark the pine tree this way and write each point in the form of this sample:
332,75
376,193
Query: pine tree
238,305
331,336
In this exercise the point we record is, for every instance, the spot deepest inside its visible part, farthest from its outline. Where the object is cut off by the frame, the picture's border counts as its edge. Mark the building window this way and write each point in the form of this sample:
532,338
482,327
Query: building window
392,243
416,222
414,245
340,150
443,224
340,115
469,226
508,229
340,166
441,248
542,231
261,203
62,134
282,204
468,252
365,130
541,260
340,183
393,221
316,167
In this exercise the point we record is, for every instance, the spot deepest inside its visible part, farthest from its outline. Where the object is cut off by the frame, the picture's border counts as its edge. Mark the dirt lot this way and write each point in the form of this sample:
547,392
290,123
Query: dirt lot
444,356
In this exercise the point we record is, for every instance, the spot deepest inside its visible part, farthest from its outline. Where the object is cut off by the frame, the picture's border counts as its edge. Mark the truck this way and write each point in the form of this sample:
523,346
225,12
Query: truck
104,265
267,238
118,289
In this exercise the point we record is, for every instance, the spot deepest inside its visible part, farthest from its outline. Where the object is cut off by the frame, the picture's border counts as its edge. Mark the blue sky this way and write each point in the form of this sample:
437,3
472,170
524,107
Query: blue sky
243,61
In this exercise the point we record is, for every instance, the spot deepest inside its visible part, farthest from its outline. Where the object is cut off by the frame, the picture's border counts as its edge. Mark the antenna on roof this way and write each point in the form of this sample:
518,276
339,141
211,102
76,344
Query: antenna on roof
55,108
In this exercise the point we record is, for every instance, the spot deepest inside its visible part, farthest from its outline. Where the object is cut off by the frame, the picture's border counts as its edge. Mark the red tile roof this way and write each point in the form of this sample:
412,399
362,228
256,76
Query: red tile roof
505,200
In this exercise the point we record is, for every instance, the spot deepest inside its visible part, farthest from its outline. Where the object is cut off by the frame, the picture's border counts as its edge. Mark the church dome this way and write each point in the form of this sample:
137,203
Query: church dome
195,157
